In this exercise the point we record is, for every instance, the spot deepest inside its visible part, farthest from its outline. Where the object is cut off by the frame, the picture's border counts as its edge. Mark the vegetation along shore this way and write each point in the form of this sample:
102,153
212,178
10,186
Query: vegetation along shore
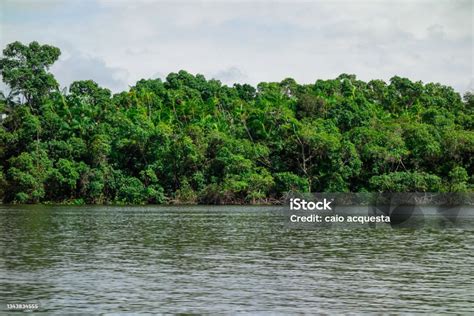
186,139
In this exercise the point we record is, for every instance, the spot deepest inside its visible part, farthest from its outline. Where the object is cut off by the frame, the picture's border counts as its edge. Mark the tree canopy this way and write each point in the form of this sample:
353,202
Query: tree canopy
186,139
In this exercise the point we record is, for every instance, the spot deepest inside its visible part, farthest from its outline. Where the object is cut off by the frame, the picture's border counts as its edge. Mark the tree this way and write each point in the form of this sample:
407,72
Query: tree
27,176
24,69
189,139
406,182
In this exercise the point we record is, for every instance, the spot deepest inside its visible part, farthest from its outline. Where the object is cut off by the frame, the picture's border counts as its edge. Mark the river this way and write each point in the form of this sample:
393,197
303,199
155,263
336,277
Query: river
215,259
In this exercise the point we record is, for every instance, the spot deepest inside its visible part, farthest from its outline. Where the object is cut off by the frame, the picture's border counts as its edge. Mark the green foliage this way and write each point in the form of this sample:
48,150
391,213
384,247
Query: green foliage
406,182
191,140
27,175
290,182
64,178
185,194
24,69
458,180
129,190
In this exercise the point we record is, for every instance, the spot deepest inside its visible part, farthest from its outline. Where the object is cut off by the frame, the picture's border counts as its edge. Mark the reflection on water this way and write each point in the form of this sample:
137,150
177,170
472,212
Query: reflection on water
221,259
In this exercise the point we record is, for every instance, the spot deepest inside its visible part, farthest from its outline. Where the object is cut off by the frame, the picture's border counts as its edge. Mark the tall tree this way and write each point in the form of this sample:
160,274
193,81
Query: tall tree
24,69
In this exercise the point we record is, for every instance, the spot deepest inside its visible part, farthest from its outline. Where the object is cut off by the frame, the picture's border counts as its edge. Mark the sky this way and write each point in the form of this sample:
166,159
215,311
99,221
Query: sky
116,43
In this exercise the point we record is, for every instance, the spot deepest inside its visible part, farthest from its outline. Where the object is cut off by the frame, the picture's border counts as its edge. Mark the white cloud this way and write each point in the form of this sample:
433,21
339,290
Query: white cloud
423,40
79,67
230,76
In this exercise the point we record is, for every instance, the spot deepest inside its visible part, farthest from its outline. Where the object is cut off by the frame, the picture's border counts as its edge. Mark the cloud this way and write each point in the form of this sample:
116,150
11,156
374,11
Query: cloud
470,85
230,76
80,67
130,40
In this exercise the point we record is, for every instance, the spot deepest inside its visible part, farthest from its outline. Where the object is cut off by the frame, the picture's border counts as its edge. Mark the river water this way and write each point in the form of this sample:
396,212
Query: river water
203,259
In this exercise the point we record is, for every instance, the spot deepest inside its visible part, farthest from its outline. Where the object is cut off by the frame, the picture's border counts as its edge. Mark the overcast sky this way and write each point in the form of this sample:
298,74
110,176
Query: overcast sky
117,43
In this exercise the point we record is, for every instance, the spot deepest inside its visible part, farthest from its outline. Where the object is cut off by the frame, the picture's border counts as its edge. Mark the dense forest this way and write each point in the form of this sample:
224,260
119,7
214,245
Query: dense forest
187,139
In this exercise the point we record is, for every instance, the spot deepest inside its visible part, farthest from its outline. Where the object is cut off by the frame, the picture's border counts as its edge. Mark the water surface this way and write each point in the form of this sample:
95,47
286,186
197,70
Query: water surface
205,259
